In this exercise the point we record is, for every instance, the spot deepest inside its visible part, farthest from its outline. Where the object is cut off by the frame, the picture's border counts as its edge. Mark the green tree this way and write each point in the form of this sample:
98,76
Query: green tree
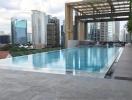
129,27
129,23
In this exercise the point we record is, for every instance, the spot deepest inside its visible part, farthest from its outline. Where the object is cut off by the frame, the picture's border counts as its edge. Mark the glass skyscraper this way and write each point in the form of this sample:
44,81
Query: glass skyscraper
19,31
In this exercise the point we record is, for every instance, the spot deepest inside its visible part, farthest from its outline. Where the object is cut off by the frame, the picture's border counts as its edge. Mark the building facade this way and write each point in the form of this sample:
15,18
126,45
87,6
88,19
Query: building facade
103,31
29,37
53,32
124,36
93,31
117,30
4,39
63,34
39,29
19,31
110,31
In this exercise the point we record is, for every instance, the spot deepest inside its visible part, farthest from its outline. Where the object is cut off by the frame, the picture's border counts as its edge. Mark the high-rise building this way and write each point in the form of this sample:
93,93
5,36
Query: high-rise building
57,24
117,30
29,37
63,34
110,31
39,29
113,31
19,31
103,31
93,31
123,36
51,32
4,39
54,28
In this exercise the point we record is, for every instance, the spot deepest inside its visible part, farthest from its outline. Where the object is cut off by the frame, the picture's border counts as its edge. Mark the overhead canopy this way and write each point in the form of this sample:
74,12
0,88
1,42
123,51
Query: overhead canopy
102,10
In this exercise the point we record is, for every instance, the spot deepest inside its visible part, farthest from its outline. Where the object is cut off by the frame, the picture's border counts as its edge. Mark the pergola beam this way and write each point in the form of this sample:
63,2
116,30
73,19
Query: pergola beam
111,5
92,1
104,15
85,6
106,20
79,11
94,8
106,11
118,8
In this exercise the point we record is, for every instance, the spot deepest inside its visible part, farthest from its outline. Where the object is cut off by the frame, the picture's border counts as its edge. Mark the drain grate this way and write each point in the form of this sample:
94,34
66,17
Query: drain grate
123,78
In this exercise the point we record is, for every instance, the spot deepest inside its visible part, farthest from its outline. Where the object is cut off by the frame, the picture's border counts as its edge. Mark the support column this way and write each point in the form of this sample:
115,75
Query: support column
75,37
85,28
81,33
68,23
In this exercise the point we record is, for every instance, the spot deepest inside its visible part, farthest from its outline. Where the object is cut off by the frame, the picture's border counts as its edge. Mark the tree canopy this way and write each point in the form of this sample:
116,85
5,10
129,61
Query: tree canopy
129,25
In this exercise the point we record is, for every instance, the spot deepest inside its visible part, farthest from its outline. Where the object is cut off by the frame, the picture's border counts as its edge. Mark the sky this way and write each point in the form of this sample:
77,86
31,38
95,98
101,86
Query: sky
22,8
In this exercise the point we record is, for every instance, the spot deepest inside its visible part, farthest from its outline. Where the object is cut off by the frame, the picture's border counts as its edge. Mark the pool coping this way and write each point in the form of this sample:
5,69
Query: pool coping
110,70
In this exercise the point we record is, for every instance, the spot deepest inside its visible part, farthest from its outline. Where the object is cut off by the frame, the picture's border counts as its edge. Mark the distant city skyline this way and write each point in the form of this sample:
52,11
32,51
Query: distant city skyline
22,8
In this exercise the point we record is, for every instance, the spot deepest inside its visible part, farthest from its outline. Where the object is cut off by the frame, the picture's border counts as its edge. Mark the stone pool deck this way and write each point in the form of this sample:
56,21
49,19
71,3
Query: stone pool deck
123,69
20,85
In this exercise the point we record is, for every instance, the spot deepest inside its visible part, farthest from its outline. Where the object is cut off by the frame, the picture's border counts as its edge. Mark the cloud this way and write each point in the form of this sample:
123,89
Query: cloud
22,8
10,4
56,6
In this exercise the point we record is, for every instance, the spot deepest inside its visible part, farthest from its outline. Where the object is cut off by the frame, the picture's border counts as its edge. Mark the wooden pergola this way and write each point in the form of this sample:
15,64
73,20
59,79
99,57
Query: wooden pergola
87,11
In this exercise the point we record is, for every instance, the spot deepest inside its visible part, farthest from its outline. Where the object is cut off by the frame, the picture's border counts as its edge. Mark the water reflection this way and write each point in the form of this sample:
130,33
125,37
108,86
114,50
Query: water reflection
52,57
38,60
41,60
87,59
20,60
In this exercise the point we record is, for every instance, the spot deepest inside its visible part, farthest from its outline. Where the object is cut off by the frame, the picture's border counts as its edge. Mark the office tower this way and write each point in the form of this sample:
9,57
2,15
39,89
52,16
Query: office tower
51,42
19,31
29,37
103,31
39,29
93,31
123,36
57,28
55,31
117,30
109,31
113,31
4,39
63,34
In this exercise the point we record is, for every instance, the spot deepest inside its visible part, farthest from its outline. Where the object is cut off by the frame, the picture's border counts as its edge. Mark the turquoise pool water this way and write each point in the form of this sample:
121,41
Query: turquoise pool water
94,61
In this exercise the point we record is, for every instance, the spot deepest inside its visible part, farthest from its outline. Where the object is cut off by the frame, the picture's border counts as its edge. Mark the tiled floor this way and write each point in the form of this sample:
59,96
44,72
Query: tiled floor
123,69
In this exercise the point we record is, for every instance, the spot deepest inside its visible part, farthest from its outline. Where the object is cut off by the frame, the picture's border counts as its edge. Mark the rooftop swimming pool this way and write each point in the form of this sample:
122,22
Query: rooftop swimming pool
92,61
